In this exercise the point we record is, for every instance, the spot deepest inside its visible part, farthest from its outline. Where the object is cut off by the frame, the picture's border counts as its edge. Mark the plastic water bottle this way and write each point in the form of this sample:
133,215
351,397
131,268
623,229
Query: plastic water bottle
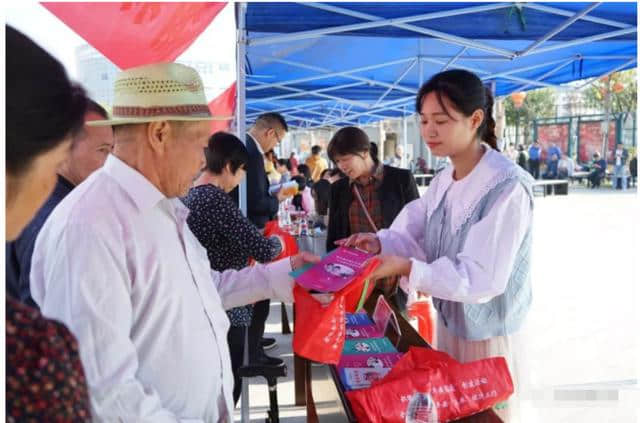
304,226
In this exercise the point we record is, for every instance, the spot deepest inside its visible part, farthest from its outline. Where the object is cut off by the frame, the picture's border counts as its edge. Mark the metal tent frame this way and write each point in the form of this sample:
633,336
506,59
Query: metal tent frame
307,106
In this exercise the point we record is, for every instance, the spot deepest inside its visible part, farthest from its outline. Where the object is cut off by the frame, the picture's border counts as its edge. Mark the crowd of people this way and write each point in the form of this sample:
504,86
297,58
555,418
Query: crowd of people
130,291
559,165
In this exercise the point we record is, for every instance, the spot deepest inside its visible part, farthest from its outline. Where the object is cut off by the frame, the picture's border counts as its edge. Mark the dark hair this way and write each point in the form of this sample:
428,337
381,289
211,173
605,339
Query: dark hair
351,140
284,162
303,169
467,93
271,155
373,150
271,119
42,105
324,172
223,149
335,171
316,149
94,107
301,180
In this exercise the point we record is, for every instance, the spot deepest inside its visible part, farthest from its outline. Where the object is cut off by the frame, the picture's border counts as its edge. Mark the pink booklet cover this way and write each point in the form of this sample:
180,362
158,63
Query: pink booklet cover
361,378
383,360
363,331
334,271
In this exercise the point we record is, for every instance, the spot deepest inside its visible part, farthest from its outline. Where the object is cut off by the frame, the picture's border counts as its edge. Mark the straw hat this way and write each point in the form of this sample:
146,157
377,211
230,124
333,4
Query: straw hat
161,91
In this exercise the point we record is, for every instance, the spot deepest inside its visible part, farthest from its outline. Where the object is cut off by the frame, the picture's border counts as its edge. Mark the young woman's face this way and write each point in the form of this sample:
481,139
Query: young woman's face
352,165
29,191
447,135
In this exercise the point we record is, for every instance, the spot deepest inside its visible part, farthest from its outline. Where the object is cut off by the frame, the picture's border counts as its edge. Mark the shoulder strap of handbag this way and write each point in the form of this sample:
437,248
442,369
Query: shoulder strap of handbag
356,192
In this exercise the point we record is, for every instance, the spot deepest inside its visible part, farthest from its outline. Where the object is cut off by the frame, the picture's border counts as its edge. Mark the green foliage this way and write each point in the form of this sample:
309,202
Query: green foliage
537,104
624,101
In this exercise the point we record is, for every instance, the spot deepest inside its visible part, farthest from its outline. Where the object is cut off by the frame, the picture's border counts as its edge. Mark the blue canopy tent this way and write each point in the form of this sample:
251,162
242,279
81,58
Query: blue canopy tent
334,64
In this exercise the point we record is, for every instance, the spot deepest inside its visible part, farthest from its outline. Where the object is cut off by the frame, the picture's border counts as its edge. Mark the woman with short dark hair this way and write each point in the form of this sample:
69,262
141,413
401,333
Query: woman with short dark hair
45,378
228,236
382,190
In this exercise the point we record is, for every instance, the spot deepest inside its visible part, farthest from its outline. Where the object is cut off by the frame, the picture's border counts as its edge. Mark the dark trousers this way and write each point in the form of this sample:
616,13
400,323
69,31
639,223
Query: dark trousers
595,177
256,329
534,168
235,339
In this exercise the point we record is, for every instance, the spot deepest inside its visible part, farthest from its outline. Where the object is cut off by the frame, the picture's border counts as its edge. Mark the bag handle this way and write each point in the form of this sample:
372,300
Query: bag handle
356,192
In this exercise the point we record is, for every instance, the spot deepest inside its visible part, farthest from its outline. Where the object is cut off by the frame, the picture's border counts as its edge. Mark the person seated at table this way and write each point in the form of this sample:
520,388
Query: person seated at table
566,167
228,236
284,169
552,168
303,200
305,171
598,169
383,191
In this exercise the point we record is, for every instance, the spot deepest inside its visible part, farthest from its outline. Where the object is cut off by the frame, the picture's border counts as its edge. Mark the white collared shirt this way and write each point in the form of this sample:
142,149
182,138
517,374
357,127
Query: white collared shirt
117,263
482,269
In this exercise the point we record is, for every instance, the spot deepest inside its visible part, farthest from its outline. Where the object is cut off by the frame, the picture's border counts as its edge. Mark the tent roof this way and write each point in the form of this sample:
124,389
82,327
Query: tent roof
346,63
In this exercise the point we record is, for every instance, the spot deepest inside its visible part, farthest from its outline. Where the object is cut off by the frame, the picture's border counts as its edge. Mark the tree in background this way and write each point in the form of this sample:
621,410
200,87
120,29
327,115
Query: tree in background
624,92
537,104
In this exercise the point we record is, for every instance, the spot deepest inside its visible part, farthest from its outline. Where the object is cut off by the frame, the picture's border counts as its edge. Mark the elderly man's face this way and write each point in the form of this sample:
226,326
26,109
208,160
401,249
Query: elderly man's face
185,158
90,149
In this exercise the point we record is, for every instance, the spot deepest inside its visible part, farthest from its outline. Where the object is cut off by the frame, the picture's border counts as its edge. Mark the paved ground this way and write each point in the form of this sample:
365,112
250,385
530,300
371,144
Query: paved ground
582,337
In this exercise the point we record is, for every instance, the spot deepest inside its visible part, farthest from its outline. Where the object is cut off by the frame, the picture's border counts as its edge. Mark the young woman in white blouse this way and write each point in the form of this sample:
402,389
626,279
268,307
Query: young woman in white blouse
467,241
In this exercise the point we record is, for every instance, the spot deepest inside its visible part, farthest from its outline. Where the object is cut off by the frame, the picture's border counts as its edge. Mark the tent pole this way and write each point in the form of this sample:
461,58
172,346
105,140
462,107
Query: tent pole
283,108
319,93
559,28
562,12
551,72
395,83
404,140
400,22
622,66
241,38
329,74
586,40
504,75
526,68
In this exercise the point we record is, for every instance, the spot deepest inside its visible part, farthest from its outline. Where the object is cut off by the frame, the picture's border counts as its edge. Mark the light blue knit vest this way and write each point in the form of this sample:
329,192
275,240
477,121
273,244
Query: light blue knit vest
505,313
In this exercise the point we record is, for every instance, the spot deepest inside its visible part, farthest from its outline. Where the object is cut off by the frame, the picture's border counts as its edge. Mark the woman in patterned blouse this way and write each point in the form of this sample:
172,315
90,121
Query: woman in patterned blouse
45,379
228,236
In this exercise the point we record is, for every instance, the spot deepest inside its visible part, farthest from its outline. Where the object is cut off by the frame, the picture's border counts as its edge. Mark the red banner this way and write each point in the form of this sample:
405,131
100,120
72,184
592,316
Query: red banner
556,133
591,140
223,105
135,33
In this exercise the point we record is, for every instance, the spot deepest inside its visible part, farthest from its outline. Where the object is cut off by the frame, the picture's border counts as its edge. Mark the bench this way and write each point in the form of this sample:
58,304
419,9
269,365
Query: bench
423,179
579,176
551,186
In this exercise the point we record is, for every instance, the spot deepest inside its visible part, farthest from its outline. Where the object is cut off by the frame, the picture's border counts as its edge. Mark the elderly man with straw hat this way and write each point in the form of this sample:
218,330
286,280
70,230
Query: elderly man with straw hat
117,263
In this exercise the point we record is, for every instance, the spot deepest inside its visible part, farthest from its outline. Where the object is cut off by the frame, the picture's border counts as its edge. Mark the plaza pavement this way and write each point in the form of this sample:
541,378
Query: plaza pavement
582,332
